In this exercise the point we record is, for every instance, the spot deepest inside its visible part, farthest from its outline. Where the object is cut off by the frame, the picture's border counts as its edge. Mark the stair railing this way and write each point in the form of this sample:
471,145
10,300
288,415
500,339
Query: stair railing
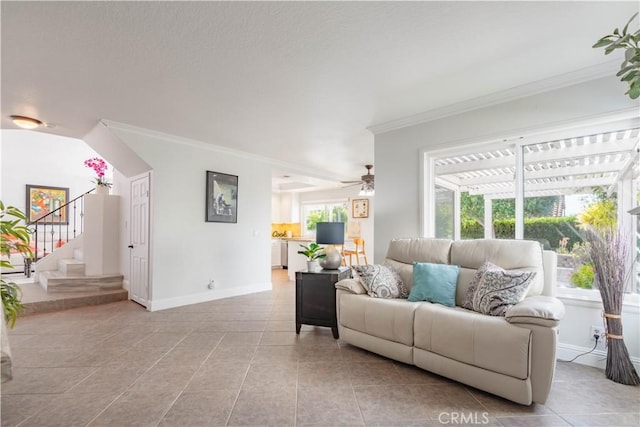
47,224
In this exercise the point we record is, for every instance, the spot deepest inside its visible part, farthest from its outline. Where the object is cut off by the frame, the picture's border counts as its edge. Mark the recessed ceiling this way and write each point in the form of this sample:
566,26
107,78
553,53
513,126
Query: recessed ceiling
299,82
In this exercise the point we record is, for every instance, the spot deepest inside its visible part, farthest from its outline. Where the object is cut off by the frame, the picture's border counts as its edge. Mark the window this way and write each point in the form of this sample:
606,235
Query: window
561,180
315,212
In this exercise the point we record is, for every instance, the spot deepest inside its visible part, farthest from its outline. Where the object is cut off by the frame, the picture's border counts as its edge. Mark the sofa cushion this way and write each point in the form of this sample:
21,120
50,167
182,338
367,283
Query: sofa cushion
540,310
434,283
380,281
351,285
493,290
405,271
524,255
487,342
419,249
389,319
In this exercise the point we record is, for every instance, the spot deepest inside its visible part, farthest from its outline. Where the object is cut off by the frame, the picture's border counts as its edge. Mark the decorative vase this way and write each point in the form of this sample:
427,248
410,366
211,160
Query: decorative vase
313,266
102,190
333,259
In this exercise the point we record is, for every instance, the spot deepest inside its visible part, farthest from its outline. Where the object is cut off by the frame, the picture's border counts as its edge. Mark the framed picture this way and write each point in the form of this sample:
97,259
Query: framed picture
43,200
360,208
222,197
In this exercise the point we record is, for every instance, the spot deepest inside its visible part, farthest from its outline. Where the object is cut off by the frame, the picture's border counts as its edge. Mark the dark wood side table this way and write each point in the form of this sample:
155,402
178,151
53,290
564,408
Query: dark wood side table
316,298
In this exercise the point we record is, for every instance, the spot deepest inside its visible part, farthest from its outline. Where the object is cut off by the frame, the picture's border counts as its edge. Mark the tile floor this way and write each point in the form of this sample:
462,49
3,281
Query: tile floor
238,362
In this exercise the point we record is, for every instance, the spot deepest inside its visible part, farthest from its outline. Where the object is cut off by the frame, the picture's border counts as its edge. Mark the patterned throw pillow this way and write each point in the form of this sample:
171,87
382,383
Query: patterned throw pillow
467,302
493,290
380,281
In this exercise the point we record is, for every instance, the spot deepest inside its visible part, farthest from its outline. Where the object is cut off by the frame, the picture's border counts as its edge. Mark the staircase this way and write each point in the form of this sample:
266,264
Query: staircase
70,277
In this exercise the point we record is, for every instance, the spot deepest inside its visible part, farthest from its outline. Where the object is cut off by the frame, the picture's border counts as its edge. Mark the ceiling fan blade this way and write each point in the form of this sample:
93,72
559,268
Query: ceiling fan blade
351,183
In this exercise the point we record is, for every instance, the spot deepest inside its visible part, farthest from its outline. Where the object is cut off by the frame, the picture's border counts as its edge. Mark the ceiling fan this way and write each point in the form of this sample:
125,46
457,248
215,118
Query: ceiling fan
367,181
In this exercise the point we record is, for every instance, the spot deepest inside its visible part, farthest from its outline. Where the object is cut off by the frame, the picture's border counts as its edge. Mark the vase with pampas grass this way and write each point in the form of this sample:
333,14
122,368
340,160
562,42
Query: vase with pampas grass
609,251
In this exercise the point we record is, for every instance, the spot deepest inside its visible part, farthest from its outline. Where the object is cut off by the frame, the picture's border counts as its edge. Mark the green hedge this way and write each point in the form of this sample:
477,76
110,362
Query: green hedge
547,230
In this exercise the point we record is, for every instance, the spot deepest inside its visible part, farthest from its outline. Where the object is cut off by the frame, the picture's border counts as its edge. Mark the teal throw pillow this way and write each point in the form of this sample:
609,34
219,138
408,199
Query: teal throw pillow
434,283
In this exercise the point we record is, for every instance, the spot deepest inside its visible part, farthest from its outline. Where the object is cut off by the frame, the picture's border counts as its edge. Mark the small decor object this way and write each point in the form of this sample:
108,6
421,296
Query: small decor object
43,200
609,251
330,234
630,67
99,166
360,208
313,252
221,198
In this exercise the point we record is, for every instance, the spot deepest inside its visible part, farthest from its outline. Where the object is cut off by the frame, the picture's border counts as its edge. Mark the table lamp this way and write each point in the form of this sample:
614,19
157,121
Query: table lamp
330,233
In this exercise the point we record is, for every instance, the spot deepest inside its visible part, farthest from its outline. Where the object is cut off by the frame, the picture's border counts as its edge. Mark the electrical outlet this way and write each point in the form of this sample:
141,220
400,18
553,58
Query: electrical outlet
599,331
211,284
596,330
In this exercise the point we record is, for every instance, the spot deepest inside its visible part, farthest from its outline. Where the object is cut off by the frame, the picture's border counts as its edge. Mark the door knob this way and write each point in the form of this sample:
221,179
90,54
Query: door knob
130,246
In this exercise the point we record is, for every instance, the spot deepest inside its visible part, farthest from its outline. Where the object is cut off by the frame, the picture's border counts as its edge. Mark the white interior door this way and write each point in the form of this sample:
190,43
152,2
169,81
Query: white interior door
139,240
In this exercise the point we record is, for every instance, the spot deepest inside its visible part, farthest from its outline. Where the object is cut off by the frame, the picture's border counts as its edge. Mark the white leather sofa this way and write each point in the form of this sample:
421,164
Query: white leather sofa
512,356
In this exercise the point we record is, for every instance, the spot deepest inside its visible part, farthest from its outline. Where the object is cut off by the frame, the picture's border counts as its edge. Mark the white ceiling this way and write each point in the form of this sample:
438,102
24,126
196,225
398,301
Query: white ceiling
300,82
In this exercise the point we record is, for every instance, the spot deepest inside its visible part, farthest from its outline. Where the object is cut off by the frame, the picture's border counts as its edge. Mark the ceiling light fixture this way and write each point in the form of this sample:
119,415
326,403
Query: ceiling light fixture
25,122
367,190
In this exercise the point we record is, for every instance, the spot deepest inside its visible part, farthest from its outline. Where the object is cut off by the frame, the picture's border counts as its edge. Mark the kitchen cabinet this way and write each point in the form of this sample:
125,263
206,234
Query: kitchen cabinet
285,207
276,254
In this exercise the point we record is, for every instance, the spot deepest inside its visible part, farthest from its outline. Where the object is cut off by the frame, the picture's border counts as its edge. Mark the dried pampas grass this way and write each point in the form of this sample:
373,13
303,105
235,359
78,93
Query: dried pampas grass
609,252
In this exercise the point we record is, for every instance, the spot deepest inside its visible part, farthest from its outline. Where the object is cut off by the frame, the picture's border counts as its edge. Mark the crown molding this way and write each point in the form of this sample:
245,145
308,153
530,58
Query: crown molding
605,69
275,163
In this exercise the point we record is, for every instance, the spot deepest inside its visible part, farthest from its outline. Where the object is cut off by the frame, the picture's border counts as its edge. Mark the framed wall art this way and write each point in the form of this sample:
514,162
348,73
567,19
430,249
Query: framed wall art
360,208
222,197
43,200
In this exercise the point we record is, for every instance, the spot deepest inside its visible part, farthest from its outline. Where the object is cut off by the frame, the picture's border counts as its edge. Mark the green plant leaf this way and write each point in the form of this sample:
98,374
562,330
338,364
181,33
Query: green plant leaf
624,30
602,42
634,91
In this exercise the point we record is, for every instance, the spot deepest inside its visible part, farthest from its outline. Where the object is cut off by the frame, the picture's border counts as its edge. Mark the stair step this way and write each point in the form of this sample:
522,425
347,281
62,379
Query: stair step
57,281
71,267
78,254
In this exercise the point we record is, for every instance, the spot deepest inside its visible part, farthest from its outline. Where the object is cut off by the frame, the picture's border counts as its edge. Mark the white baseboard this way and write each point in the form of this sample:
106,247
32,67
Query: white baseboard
165,303
597,358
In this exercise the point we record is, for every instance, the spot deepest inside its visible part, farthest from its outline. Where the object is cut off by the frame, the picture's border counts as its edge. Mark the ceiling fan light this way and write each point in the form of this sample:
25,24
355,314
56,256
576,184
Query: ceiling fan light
25,122
367,189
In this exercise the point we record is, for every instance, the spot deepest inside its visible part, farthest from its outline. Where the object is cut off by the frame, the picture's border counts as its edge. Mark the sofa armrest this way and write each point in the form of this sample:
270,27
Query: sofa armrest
538,310
351,285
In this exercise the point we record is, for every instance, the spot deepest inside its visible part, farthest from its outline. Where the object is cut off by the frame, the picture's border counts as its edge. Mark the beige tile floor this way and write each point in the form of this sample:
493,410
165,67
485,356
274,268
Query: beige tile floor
238,362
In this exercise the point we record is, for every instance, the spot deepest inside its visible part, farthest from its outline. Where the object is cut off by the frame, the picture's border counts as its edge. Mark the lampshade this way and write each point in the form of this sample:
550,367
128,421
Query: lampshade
330,233
25,122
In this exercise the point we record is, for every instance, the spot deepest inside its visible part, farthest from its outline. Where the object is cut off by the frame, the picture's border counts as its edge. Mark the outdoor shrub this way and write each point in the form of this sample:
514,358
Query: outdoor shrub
583,277
550,231
471,229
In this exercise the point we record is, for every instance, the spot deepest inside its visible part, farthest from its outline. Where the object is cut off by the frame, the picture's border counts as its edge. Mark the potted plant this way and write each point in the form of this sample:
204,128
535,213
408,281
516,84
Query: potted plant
313,252
99,166
629,42
14,237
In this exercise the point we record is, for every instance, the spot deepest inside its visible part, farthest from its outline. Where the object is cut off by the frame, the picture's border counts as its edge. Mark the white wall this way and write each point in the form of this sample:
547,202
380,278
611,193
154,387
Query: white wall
37,158
397,155
186,251
31,157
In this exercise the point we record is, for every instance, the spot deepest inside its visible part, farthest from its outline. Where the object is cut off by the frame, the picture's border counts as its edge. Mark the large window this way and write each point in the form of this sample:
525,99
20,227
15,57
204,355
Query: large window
315,212
540,189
